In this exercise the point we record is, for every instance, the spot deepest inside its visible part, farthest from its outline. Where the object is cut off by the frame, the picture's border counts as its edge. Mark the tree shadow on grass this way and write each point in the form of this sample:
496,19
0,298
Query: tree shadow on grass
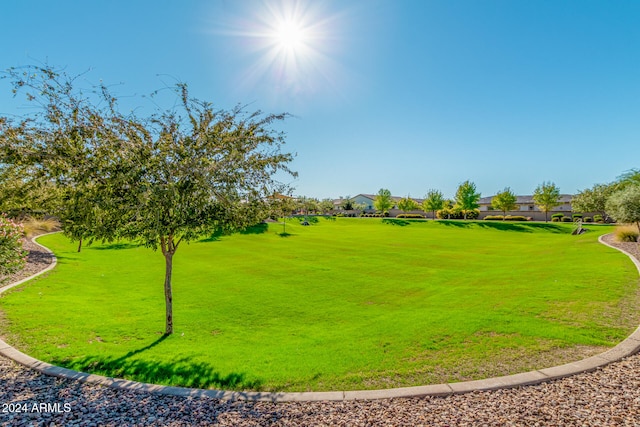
113,246
180,372
260,228
393,221
507,226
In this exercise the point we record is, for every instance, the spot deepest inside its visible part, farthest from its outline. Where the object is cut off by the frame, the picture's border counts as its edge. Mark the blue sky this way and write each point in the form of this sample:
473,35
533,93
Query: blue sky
398,94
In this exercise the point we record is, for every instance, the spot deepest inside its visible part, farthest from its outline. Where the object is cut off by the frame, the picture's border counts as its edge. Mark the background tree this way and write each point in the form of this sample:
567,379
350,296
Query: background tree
360,206
326,206
593,199
407,204
467,197
307,205
383,201
283,207
347,204
631,177
624,205
504,201
433,201
546,197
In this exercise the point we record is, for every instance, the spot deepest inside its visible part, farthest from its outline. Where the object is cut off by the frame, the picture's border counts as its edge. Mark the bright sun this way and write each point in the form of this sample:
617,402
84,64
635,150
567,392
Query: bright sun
289,35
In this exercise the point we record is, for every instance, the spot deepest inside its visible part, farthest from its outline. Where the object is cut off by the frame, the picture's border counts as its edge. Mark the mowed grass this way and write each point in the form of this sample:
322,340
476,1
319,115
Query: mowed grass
345,304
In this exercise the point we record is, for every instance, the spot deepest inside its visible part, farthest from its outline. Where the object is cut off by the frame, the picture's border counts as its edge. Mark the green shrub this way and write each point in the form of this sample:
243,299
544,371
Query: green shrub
566,219
515,218
455,213
626,233
494,217
416,216
556,219
558,215
598,218
587,219
576,216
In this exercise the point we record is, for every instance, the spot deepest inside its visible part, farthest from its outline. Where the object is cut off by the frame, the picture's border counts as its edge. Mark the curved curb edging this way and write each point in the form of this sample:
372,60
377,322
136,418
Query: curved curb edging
626,348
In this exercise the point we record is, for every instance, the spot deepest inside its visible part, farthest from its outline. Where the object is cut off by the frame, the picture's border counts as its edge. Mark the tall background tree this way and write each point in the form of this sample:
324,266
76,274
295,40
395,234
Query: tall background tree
630,177
624,205
407,204
593,199
467,197
546,196
347,204
174,177
383,201
504,201
433,201
326,206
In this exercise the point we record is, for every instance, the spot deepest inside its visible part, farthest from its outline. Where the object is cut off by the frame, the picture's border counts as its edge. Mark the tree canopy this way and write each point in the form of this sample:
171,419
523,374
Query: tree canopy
407,204
593,199
546,196
175,176
504,201
383,201
624,205
467,197
433,201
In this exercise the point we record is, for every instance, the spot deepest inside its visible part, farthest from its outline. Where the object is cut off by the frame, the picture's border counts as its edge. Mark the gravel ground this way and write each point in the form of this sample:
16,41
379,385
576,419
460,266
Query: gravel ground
609,396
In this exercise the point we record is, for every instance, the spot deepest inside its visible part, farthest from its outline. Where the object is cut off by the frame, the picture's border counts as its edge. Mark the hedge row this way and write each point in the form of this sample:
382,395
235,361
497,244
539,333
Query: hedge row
456,214
508,218
417,216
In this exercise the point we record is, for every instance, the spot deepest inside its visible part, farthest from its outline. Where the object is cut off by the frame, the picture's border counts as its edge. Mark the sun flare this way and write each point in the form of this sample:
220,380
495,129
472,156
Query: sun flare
289,35
293,44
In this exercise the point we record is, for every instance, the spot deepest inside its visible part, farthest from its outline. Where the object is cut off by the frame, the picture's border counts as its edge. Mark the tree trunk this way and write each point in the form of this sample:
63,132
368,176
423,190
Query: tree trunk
80,244
168,297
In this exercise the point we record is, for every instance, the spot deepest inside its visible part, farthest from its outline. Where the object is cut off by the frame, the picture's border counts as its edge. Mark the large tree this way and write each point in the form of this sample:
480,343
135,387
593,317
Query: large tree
467,197
593,199
383,201
630,177
624,205
504,201
546,196
433,201
175,177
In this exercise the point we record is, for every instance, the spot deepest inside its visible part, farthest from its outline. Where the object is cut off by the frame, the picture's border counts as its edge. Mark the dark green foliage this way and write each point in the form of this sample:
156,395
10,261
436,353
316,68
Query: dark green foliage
457,213
507,218
416,216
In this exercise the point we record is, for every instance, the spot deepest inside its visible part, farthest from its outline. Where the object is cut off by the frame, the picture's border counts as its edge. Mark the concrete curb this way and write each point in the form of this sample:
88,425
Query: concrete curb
626,348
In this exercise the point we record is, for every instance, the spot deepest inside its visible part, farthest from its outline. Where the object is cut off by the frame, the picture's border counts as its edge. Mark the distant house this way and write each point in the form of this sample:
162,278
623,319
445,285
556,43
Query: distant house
526,207
368,199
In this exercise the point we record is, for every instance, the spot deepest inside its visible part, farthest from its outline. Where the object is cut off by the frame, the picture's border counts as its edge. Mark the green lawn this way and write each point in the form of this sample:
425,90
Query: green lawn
346,304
